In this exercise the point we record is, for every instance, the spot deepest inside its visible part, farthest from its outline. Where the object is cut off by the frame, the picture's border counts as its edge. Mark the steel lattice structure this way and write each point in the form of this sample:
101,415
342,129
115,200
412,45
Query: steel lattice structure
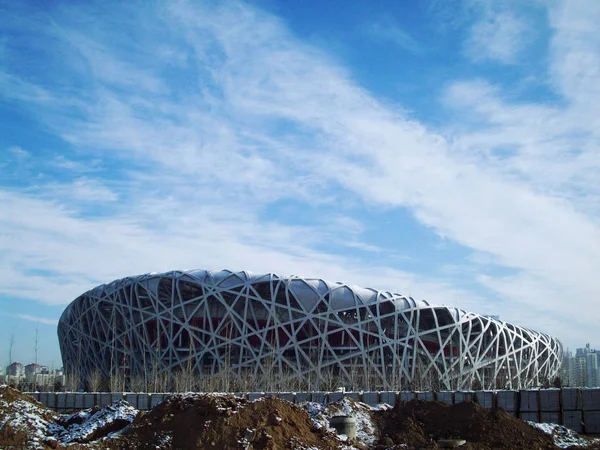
297,327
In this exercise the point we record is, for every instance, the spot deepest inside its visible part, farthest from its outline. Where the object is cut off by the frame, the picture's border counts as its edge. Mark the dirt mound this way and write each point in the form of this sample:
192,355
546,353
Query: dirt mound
9,395
224,421
420,424
24,422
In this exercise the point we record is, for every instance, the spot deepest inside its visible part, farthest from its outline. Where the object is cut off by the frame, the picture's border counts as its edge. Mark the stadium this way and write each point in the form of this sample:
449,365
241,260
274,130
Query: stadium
304,329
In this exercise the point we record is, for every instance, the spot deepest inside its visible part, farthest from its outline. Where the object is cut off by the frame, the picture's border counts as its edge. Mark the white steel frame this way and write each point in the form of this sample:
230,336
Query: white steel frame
297,327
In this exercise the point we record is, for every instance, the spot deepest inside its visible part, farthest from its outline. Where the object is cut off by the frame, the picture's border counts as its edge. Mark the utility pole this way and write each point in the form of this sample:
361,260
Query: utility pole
10,348
37,326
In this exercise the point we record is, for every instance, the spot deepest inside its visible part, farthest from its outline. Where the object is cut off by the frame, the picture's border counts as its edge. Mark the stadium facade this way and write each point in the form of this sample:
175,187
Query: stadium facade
300,328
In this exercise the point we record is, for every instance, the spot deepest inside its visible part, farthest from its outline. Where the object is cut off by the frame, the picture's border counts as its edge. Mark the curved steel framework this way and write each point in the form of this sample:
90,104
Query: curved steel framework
300,328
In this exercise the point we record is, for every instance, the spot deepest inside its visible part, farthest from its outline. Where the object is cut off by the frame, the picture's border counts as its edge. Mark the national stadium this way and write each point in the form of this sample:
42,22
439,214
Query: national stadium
297,328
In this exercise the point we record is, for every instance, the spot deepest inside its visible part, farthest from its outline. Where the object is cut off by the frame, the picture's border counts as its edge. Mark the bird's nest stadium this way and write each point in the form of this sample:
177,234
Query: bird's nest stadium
300,328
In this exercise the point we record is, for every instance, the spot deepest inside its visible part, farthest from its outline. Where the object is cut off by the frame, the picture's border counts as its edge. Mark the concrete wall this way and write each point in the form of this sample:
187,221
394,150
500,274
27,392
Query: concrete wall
578,409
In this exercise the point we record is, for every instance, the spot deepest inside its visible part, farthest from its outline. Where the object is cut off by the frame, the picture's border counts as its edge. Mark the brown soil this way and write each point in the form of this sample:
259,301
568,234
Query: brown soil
9,395
420,424
221,422
17,435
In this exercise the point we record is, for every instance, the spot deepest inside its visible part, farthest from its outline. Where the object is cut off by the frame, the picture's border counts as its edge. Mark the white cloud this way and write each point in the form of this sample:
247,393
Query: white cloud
75,253
498,35
19,153
269,119
43,320
388,30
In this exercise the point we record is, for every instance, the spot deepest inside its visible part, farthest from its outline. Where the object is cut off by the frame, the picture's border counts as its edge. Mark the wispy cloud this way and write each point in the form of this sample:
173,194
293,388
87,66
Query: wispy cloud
235,118
43,320
19,153
498,34
386,29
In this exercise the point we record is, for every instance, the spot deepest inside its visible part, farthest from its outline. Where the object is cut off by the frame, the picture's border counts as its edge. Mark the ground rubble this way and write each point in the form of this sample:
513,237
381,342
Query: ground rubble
220,421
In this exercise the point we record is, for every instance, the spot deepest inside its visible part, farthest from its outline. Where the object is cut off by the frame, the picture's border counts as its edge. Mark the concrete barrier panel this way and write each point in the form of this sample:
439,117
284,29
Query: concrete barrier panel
573,420
61,400
76,400
287,396
105,398
353,395
318,397
155,399
507,400
464,396
89,399
70,401
445,397
116,396
143,401
407,396
371,398
487,399
531,416
591,399
591,419
550,400
388,397
571,398
131,398
550,417
335,396
426,396
252,396
530,401
301,397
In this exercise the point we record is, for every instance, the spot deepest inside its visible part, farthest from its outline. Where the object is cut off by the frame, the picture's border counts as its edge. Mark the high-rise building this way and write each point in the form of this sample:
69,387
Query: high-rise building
15,369
583,369
592,378
566,368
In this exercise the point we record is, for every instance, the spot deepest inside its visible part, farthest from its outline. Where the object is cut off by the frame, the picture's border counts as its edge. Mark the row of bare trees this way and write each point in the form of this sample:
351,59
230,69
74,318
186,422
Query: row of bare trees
271,379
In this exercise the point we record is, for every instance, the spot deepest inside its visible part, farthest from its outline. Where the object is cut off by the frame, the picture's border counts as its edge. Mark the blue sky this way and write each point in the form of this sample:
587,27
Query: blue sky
445,150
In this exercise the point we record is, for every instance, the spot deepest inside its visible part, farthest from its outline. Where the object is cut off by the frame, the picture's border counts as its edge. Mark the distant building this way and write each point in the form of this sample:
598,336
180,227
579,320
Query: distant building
592,378
15,369
566,368
583,369
32,369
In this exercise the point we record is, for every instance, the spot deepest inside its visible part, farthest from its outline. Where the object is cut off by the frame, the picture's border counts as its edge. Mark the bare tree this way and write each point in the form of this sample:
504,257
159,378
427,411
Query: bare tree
94,380
138,383
72,380
116,381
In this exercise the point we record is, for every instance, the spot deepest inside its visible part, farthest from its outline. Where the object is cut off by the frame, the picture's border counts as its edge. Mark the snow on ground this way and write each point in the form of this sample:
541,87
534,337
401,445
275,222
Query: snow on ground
45,426
563,437
83,425
29,417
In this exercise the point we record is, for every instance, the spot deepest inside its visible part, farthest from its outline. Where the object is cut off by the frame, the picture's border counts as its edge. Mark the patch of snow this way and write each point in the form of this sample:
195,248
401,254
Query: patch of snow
382,407
563,437
104,417
26,416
